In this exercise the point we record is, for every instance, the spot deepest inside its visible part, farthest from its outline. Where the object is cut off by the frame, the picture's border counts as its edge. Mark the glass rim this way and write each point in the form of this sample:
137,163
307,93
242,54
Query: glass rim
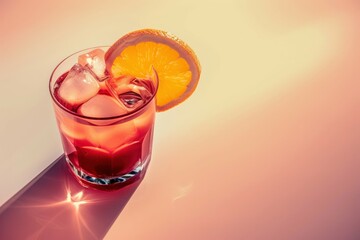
96,118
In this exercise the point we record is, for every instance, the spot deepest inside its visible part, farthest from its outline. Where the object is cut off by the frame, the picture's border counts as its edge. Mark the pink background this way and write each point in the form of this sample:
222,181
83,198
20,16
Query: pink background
266,148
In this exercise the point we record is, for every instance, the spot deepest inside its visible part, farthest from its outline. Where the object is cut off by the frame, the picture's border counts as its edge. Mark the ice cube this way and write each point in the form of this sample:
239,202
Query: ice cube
143,87
111,137
78,86
95,61
102,106
130,91
131,99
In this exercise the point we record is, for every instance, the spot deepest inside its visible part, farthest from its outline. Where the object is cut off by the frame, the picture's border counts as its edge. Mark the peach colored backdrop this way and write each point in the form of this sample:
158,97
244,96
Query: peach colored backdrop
268,147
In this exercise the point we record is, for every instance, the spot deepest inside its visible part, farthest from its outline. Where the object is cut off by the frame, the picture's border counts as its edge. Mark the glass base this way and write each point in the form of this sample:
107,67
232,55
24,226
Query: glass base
106,182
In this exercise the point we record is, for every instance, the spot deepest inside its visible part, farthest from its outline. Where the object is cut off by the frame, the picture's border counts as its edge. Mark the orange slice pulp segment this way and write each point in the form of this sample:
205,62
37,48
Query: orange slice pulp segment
137,53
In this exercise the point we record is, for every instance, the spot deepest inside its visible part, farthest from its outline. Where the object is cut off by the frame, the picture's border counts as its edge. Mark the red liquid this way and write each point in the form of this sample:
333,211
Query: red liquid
105,149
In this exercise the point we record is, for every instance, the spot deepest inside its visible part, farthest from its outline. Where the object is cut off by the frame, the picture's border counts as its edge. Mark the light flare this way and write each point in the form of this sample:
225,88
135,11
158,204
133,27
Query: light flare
75,200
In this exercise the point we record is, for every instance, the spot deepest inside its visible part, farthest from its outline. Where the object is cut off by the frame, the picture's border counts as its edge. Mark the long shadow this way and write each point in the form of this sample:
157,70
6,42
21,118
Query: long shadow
55,206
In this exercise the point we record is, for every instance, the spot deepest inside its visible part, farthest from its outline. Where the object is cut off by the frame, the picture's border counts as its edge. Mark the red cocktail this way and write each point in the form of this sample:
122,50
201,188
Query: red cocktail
106,124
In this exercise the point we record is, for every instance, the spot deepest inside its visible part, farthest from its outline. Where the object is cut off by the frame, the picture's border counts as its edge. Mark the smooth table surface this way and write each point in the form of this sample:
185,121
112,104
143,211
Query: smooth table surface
268,147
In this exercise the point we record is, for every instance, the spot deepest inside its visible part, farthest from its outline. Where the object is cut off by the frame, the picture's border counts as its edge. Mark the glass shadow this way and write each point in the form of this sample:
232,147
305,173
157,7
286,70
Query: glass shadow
55,206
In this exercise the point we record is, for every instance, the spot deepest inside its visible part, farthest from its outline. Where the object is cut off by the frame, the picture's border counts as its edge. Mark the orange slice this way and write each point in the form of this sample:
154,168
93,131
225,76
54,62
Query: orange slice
176,64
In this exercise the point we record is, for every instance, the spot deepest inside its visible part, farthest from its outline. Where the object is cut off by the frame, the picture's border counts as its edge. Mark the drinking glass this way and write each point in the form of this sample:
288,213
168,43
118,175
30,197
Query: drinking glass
104,153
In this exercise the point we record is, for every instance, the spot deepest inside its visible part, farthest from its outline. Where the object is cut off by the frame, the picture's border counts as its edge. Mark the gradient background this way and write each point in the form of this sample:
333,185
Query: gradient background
268,147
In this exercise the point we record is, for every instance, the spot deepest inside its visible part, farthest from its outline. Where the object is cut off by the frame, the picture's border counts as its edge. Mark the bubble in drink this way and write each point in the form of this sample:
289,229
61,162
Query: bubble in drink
95,61
78,86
